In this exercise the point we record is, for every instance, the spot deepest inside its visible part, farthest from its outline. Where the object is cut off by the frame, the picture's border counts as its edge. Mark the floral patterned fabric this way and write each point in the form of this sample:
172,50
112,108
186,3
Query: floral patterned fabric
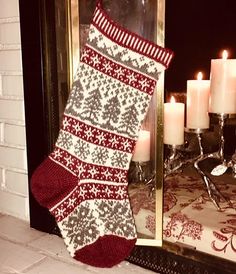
190,216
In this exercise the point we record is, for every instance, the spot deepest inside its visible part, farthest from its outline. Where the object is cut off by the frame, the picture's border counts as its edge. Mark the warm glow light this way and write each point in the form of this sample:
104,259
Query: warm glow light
199,75
172,99
225,54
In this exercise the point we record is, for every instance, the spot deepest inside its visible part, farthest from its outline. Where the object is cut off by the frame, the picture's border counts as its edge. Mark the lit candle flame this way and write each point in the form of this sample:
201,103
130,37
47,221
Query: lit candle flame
172,99
199,75
225,54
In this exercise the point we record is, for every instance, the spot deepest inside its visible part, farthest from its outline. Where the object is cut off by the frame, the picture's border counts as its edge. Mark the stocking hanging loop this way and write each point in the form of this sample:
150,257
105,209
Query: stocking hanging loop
99,3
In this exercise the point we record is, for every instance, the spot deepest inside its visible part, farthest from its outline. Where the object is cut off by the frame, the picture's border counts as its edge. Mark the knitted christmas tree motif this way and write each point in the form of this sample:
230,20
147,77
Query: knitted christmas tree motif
83,182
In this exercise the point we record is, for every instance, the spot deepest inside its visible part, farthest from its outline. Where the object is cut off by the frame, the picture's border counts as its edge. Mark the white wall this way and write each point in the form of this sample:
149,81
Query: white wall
13,162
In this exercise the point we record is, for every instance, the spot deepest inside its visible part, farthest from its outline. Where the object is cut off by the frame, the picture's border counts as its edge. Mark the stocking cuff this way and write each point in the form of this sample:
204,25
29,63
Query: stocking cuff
128,39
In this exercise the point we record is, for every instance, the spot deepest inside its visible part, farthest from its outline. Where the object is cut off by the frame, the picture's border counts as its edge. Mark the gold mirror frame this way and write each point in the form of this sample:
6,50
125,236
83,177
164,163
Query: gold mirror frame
74,42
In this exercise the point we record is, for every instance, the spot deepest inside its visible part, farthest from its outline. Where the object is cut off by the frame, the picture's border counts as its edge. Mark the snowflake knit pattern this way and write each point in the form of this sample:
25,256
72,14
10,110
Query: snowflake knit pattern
83,182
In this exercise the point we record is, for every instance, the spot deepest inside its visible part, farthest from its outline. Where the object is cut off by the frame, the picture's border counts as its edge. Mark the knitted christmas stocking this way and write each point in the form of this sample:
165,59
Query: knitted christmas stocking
83,181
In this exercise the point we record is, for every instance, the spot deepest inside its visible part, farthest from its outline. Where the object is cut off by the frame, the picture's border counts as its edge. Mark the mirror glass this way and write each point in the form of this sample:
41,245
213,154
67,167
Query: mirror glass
200,181
146,18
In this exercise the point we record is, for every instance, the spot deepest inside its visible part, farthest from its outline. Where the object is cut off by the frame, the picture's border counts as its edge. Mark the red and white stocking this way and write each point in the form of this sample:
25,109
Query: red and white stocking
83,182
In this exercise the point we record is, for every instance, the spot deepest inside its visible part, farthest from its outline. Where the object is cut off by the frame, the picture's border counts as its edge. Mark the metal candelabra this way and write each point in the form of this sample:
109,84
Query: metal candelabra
177,158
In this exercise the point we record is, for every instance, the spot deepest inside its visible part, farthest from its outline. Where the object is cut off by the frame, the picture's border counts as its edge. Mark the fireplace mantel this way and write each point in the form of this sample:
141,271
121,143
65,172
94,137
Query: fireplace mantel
42,124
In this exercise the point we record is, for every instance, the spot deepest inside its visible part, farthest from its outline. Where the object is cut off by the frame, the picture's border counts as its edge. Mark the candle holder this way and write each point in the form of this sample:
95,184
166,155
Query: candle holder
232,164
224,165
177,158
221,121
198,132
139,172
212,191
219,154
174,160
142,173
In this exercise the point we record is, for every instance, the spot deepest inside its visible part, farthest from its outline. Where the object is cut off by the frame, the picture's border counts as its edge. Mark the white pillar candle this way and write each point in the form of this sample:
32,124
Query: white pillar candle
223,85
198,103
173,123
142,147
